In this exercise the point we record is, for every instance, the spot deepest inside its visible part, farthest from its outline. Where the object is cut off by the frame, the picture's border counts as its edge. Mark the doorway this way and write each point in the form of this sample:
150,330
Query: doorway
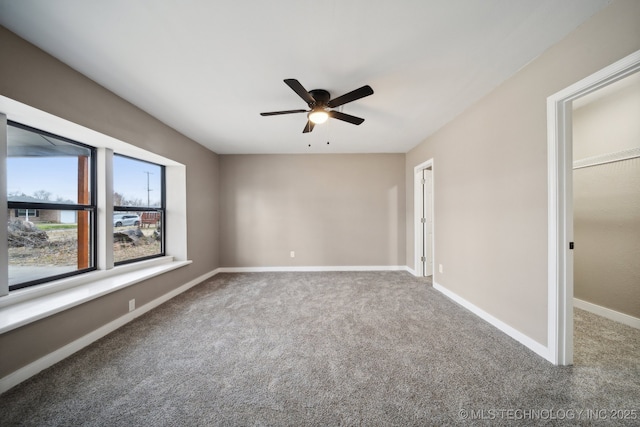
424,222
560,203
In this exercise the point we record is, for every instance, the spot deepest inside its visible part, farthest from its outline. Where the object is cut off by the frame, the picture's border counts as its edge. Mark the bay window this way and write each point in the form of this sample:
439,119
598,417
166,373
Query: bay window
64,188
72,208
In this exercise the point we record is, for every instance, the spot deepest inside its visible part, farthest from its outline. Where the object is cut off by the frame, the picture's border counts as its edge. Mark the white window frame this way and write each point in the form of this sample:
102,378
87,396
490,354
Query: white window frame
26,305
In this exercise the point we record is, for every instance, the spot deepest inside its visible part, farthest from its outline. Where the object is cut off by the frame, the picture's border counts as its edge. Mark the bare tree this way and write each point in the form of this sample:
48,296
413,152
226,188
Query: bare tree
122,200
118,199
42,195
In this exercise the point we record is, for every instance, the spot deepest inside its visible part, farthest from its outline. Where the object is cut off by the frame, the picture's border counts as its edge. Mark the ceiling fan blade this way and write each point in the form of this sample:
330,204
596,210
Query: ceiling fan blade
276,113
345,117
308,127
351,96
300,90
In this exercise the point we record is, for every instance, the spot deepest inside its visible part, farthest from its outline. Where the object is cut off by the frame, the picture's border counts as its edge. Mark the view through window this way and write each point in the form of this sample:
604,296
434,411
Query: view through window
138,209
51,202
52,208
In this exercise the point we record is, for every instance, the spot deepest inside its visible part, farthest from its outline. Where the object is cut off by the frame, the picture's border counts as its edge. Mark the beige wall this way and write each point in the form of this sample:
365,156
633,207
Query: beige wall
610,121
32,77
490,174
332,210
607,202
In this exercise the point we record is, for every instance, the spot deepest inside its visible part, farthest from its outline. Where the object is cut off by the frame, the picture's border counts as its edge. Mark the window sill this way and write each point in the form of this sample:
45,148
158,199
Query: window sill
25,306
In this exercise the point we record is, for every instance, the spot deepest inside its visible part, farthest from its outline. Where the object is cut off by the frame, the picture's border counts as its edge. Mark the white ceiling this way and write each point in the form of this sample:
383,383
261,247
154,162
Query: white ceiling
208,68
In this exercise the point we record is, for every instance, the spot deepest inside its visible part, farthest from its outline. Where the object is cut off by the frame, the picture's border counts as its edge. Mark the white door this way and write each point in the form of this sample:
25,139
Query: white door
427,222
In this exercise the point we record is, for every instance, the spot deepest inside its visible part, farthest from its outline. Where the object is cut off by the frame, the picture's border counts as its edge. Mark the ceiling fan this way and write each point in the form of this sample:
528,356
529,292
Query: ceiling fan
320,102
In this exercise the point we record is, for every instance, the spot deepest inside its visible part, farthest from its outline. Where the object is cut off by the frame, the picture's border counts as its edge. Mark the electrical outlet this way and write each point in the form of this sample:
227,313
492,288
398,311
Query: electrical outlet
440,268
132,304
293,254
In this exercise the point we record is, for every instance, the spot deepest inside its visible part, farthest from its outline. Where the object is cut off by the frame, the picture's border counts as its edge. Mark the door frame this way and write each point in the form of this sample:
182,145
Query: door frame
560,203
418,201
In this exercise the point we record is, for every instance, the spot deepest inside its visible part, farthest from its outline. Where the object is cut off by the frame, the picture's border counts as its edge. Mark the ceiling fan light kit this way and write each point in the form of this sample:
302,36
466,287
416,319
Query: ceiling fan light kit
318,116
320,102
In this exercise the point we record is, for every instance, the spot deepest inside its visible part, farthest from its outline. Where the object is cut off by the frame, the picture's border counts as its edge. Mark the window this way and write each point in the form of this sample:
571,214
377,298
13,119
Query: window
50,191
51,197
58,212
138,209
27,213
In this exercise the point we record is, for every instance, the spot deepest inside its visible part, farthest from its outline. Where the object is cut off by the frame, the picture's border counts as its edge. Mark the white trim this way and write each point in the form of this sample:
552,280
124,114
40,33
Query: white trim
176,210
560,216
22,308
417,226
315,268
56,356
39,119
4,256
105,208
616,316
21,295
533,345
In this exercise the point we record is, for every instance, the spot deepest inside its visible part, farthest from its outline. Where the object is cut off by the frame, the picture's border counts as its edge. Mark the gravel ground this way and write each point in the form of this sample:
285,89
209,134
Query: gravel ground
62,250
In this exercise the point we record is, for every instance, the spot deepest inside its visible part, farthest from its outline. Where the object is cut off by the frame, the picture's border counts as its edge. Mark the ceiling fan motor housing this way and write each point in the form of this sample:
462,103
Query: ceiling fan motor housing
321,96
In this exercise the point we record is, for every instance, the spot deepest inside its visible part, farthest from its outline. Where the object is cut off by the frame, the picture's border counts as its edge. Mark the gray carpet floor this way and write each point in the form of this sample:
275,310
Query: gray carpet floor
328,349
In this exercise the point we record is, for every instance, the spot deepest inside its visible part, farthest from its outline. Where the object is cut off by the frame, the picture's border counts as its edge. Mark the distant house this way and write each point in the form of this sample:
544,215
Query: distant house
40,215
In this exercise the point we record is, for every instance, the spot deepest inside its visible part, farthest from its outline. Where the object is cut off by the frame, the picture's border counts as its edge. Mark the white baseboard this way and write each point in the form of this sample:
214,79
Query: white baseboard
533,345
314,268
56,356
616,316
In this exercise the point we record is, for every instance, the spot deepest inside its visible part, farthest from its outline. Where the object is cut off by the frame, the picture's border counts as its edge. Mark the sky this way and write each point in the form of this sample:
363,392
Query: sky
136,179
58,175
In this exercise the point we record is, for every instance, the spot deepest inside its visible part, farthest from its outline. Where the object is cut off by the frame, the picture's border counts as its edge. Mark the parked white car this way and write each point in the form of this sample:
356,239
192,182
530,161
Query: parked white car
120,220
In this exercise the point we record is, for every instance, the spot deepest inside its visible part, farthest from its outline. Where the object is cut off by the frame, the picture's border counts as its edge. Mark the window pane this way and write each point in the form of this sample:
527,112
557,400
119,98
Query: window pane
27,214
136,183
136,235
137,230
54,245
45,169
